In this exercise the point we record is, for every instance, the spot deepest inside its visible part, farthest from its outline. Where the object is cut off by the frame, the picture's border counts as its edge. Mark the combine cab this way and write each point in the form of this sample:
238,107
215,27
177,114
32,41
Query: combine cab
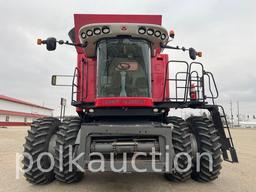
123,91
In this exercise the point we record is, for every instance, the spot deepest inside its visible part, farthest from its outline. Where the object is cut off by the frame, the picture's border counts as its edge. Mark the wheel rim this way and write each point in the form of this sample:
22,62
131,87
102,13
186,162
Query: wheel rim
52,144
193,145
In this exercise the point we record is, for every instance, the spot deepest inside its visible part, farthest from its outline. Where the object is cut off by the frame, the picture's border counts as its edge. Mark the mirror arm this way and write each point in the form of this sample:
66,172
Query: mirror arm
61,42
171,47
192,52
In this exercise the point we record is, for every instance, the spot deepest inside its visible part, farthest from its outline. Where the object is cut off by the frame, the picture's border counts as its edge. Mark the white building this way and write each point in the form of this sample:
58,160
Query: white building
14,112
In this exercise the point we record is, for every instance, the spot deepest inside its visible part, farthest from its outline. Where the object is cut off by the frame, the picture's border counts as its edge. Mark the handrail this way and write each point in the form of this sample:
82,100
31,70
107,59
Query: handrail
191,77
210,76
76,74
166,72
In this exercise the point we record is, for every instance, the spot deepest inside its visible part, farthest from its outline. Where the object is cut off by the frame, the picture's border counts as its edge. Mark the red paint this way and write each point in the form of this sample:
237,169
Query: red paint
193,95
86,80
124,102
159,64
20,114
14,124
6,98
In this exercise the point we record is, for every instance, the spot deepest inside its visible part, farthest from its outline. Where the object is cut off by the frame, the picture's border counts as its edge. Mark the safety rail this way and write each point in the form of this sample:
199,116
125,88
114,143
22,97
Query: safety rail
75,86
83,94
191,79
211,77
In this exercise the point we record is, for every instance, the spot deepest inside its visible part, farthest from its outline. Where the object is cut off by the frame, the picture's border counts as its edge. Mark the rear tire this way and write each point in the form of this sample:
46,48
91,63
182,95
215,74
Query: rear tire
207,141
66,137
37,142
181,143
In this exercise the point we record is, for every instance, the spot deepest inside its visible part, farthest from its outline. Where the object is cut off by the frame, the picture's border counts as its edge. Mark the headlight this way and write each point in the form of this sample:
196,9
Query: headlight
142,30
105,30
89,32
97,31
163,36
157,33
83,35
150,32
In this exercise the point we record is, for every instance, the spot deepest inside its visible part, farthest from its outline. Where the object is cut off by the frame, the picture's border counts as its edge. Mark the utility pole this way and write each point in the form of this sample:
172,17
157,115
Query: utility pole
238,114
231,114
63,102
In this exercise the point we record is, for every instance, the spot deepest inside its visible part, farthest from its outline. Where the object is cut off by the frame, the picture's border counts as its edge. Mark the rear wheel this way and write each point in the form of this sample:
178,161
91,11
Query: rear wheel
66,137
182,144
40,139
207,139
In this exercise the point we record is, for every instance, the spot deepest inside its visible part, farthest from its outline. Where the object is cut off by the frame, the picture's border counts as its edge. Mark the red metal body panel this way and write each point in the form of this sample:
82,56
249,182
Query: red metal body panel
87,66
87,78
124,102
158,77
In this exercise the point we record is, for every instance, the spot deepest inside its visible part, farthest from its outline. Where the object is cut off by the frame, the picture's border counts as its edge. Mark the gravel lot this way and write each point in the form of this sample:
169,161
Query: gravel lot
234,177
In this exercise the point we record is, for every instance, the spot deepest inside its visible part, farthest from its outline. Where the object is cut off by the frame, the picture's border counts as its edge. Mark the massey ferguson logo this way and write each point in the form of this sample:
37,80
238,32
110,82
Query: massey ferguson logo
123,28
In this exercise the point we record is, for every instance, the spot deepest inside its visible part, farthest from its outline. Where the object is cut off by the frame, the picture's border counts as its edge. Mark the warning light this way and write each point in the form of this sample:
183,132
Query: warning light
199,54
39,42
172,34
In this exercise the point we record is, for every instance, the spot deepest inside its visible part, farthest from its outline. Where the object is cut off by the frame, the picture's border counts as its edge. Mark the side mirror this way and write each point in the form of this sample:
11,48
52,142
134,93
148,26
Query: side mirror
54,80
192,53
61,80
51,43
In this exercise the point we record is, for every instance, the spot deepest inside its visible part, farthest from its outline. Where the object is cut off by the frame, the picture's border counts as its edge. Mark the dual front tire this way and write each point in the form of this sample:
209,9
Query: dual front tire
54,139
198,138
208,142
195,135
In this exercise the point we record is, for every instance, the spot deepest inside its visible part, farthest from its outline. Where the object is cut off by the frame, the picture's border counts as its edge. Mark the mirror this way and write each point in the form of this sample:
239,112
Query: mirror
51,43
54,80
62,80
192,53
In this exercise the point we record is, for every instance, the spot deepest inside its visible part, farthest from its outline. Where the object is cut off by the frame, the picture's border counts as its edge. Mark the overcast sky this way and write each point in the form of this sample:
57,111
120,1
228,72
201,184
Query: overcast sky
224,30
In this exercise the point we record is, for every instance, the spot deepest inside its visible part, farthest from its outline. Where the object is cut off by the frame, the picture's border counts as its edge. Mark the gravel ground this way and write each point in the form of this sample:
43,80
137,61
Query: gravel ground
234,177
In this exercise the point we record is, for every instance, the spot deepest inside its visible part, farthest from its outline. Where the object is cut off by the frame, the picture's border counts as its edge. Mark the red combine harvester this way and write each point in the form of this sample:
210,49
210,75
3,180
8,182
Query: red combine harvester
123,91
